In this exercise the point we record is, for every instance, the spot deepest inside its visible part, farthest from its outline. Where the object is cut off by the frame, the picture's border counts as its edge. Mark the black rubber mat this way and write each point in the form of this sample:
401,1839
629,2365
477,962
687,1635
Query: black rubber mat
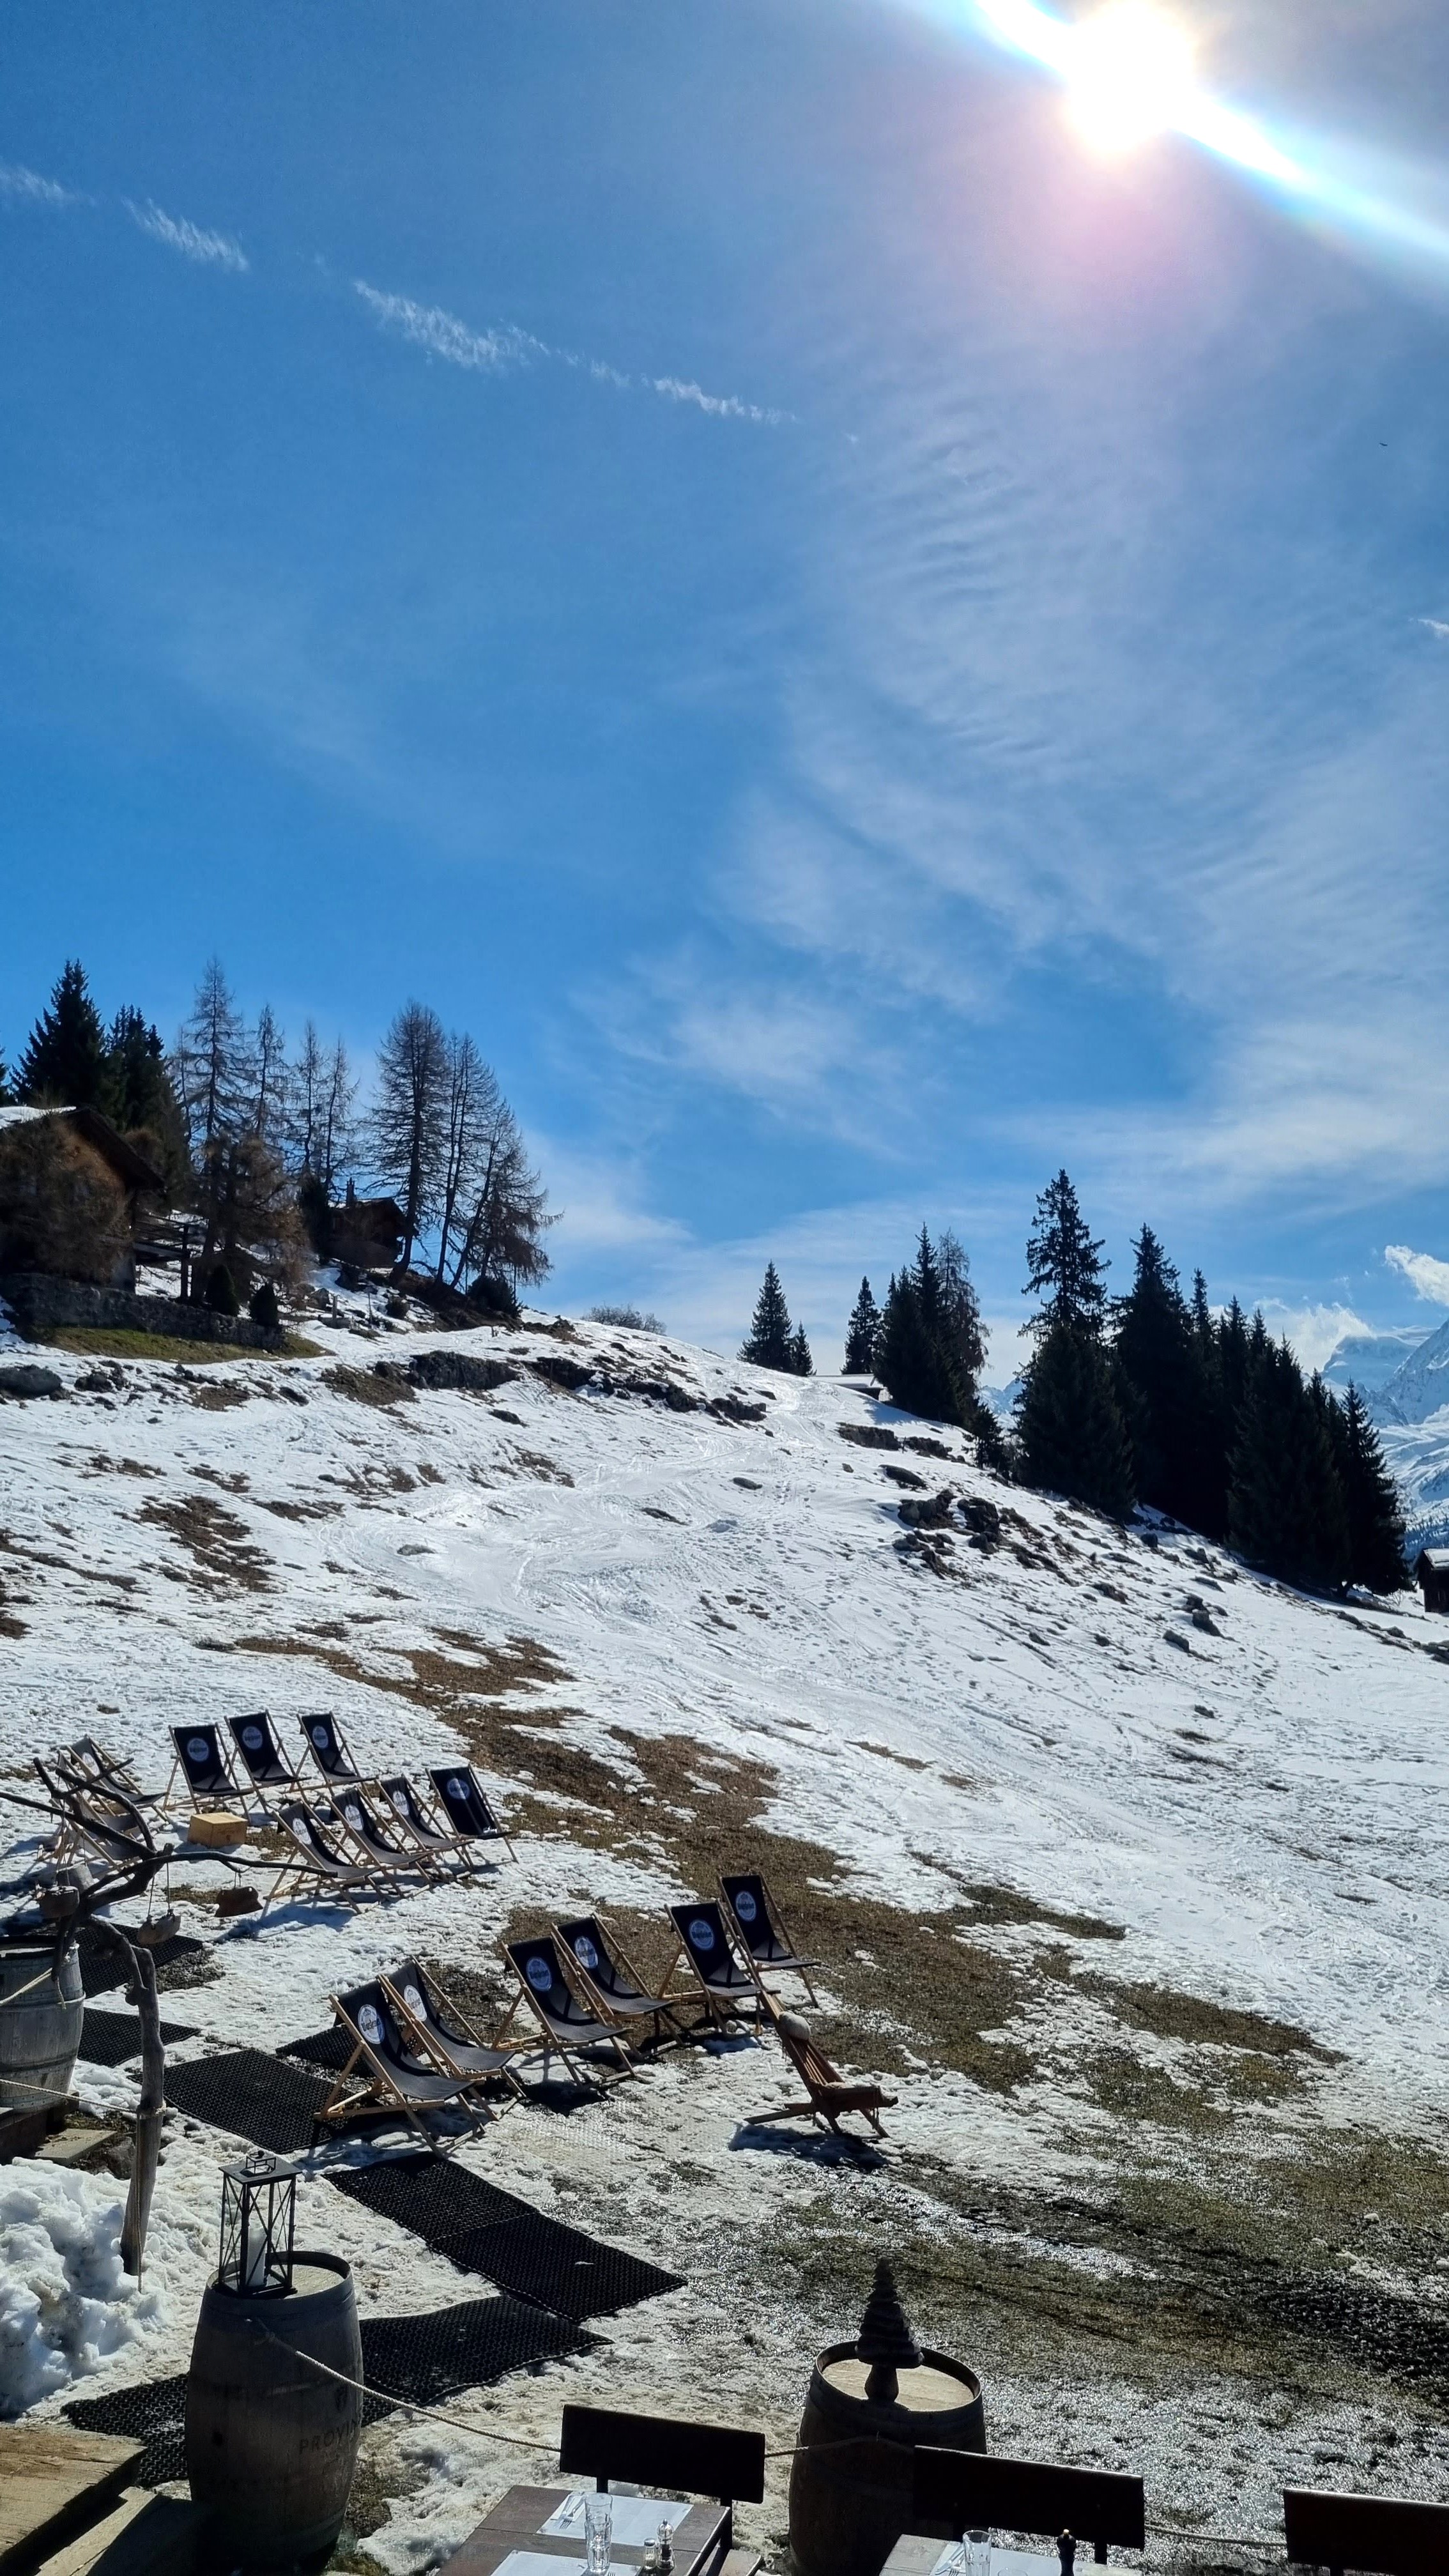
154,2413
424,2360
251,2096
103,1966
331,2048
437,2201
485,2230
111,2038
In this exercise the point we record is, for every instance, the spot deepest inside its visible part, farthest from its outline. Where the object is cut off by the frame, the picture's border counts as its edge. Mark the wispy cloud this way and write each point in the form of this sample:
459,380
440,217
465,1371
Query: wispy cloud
20,184
1437,627
1427,1277
213,250
1312,1332
441,334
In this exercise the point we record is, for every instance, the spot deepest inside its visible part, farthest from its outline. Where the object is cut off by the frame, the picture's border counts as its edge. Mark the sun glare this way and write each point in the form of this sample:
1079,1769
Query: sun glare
1129,75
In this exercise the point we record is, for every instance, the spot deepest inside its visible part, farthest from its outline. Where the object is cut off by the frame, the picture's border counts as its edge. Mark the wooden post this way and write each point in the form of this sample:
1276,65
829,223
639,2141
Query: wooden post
146,2127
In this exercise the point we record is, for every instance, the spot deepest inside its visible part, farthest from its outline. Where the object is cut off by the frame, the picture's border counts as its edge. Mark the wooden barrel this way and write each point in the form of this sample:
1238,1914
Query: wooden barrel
271,2445
40,2028
850,2485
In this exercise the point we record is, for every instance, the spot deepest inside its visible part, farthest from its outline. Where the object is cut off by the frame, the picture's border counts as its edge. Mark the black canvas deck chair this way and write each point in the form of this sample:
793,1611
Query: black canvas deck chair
108,1772
363,1834
92,1823
760,1931
463,1799
388,2070
954,2492
442,2031
608,1972
262,1758
715,2460
830,2094
202,1763
328,1749
731,1993
315,1862
570,2018
1382,2535
424,1830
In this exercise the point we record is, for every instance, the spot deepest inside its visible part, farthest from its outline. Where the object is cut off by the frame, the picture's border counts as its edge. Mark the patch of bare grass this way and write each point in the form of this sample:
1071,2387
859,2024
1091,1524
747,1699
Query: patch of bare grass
383,1393
220,1546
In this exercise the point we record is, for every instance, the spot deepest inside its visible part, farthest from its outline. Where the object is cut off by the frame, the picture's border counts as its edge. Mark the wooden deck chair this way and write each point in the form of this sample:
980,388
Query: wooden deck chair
202,1763
954,2492
417,1820
759,1927
443,2031
384,1853
314,1862
731,1993
394,2074
91,1822
609,1973
109,1772
715,2460
327,1747
463,1799
830,2092
569,2017
1382,2535
262,1758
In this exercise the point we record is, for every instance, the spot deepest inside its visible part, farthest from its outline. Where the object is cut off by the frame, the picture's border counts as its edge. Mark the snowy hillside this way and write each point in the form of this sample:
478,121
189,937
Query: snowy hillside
1125,1868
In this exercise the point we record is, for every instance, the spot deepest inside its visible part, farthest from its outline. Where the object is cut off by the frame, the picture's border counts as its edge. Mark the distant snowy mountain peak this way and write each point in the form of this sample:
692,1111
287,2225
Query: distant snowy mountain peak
1419,1386
1369,1360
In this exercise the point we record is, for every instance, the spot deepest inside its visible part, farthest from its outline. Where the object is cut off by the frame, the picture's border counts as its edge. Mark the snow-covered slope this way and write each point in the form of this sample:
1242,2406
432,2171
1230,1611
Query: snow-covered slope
1121,1863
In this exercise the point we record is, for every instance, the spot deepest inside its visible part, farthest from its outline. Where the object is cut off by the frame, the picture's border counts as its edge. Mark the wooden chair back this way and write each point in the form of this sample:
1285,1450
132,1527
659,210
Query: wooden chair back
1382,2535
806,2056
658,2451
977,2491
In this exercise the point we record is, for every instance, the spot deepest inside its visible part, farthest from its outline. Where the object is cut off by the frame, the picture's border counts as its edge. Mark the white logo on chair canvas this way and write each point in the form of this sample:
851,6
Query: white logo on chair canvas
369,2022
320,1738
353,1815
539,1976
457,1788
253,1738
701,1933
414,2002
585,1951
400,1801
198,1750
745,1906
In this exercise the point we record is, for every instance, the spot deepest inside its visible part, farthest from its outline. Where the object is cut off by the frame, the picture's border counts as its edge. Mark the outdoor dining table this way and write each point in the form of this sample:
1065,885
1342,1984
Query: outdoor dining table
512,2541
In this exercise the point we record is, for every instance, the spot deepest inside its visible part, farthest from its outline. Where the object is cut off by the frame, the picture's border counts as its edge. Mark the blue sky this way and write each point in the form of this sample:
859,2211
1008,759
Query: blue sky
864,651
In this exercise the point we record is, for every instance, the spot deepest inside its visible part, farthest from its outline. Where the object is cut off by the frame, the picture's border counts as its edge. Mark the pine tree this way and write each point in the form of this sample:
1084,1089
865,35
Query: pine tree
771,1333
1375,1519
1071,1435
860,1334
801,1363
408,1124
914,1353
263,1308
4,1082
1063,1264
1163,1359
960,1308
139,1098
1287,1512
221,1294
64,1063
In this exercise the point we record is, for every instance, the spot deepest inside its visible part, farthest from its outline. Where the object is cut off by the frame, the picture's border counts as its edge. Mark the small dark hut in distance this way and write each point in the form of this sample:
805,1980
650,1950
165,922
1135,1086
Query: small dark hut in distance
1431,1573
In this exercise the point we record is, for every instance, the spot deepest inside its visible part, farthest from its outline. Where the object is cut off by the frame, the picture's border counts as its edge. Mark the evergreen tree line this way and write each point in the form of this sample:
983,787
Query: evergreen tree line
258,1142
1147,1398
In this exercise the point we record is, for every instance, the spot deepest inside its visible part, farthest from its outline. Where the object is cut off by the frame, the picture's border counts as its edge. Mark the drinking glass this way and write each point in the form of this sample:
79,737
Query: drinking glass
978,2553
598,2532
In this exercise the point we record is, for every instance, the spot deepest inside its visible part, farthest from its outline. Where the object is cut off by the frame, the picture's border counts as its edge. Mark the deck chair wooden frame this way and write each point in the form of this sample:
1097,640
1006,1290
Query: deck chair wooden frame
961,2491
83,1827
739,1999
1381,2535
721,2461
830,2092
388,2083
87,1754
225,1789
562,2033
478,1803
312,1863
442,2029
260,1754
412,1816
763,1940
607,1971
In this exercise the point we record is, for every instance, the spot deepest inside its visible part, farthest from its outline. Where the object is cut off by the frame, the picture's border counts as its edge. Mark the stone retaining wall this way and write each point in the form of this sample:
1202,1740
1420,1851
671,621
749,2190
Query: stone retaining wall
40,1303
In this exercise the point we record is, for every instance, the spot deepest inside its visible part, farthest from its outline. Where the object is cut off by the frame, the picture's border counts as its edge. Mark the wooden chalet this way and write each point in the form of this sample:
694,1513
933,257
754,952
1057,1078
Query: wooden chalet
1431,1573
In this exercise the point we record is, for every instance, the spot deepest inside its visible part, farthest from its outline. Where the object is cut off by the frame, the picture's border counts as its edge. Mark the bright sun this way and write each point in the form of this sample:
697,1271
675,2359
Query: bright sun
1129,74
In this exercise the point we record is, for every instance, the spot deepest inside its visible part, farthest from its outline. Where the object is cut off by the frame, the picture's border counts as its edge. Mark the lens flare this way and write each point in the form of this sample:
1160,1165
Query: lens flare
1129,76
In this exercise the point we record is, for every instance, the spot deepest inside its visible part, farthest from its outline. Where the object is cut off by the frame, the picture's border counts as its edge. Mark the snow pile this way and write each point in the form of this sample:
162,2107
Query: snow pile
65,2303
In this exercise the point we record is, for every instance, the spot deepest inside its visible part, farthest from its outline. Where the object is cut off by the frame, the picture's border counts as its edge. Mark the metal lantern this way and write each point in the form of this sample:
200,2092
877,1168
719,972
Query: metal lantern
258,2224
